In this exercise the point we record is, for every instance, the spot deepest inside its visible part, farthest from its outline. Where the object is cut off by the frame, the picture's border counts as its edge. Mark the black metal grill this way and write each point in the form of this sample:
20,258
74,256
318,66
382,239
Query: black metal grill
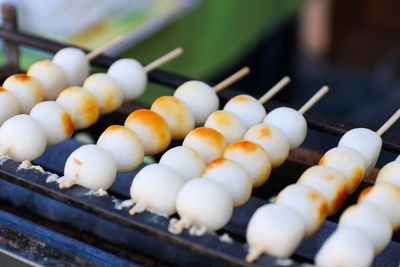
143,238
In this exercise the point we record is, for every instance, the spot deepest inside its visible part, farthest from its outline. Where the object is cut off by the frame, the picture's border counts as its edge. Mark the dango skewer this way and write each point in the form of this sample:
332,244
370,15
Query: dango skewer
75,107
177,111
156,127
143,123
44,81
69,67
210,142
275,137
240,185
196,93
230,122
372,221
188,162
228,175
251,110
102,93
323,180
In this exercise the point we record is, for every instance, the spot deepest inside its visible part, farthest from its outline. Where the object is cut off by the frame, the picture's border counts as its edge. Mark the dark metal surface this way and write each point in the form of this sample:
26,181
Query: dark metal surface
147,233
10,48
29,244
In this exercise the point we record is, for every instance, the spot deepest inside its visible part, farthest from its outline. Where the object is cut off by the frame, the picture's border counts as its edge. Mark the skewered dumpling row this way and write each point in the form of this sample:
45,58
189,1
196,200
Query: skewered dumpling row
320,191
60,79
234,172
365,229
169,118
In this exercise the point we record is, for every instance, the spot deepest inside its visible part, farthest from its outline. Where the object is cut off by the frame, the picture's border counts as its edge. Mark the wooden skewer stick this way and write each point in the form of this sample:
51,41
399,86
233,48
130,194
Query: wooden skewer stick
254,254
314,99
274,90
100,50
179,226
231,79
183,223
389,123
164,59
138,208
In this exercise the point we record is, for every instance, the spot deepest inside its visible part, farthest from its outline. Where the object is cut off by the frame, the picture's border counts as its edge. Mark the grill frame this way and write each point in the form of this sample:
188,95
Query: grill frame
196,251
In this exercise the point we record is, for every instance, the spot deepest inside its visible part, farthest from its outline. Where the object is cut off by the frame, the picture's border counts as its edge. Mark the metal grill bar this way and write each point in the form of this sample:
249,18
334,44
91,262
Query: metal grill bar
145,229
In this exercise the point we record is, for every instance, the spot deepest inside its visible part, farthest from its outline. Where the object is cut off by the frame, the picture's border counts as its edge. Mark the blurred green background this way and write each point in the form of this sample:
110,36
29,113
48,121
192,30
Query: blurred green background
215,36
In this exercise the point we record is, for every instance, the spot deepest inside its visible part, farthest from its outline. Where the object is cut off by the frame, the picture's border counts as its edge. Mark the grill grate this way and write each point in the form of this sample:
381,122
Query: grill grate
146,233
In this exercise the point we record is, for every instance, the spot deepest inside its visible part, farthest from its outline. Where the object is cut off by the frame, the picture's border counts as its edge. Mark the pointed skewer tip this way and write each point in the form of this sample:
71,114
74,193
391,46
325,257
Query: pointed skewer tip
389,123
314,99
274,90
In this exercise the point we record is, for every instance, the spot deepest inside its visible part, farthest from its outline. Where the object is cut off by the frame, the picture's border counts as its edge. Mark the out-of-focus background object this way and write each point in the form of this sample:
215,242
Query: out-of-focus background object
90,23
355,48
216,35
